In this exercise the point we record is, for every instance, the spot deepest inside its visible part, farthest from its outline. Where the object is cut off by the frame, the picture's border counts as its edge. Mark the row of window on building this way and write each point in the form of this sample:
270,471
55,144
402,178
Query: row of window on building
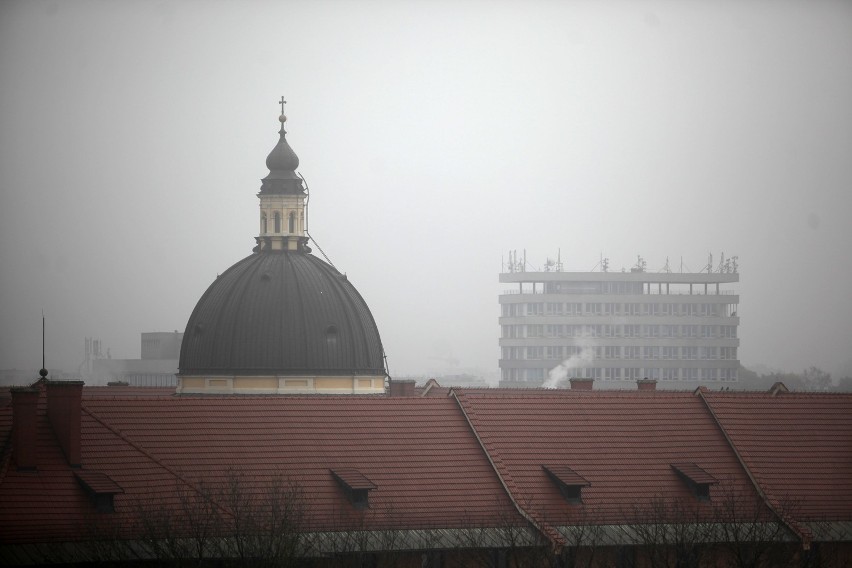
618,288
668,353
626,330
706,309
626,374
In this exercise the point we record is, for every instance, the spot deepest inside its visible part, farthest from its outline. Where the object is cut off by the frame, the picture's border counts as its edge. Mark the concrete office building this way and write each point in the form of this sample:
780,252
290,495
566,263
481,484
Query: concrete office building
618,326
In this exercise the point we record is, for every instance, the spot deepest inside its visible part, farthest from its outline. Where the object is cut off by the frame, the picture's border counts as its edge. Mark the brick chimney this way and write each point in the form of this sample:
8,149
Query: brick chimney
64,407
24,426
402,388
646,384
581,384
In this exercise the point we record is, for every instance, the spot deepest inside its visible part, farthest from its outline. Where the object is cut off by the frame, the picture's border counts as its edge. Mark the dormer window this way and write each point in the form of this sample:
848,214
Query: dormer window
569,482
356,486
100,488
698,480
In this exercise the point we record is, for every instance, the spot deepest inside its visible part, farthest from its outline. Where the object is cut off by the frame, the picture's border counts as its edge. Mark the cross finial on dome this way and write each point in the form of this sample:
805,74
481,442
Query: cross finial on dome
283,118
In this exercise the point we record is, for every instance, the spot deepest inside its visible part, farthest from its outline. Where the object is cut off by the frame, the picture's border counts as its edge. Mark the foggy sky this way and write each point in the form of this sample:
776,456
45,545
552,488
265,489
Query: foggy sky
435,137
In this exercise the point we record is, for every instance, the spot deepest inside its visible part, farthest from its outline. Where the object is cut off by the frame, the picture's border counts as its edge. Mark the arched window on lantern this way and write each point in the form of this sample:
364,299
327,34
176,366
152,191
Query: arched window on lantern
277,220
263,224
291,224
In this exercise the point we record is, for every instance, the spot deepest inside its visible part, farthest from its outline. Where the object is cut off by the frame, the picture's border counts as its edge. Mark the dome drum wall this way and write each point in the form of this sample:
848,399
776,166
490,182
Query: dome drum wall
221,384
285,317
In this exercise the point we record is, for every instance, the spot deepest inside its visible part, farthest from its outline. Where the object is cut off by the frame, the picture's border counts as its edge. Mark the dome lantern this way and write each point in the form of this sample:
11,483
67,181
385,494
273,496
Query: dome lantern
282,196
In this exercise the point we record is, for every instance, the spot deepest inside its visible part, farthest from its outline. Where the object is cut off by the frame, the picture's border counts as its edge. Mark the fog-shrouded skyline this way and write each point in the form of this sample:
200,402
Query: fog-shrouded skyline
434,137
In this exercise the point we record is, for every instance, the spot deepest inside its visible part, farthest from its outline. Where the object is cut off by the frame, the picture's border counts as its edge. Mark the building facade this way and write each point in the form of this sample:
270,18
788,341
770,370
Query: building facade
157,368
617,326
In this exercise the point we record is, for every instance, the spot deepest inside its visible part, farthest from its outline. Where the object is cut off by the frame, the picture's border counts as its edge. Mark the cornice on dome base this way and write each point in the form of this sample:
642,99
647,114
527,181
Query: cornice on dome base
282,243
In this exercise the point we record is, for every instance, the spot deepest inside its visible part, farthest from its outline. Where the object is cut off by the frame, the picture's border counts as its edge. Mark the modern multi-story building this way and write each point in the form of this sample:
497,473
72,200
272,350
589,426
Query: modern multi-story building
618,325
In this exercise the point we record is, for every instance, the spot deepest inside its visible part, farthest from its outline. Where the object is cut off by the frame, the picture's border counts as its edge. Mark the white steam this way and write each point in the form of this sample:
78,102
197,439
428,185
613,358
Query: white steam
561,371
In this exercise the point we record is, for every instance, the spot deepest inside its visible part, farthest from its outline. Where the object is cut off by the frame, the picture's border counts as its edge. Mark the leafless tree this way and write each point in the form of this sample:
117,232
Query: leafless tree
673,533
233,523
752,534
265,522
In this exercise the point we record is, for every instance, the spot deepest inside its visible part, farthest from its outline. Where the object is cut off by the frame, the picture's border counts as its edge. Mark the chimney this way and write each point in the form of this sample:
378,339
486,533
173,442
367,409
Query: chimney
402,388
646,384
24,426
581,384
64,407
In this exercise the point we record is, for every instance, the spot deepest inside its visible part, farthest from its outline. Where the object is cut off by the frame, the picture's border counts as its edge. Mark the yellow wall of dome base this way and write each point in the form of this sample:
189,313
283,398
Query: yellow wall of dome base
273,384
279,243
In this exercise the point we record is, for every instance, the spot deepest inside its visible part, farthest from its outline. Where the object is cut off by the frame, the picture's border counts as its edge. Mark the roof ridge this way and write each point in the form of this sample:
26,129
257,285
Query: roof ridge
506,480
789,523
142,450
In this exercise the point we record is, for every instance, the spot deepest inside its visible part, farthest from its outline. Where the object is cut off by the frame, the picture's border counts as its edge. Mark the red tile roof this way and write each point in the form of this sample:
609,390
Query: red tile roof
49,504
443,462
621,442
797,446
428,469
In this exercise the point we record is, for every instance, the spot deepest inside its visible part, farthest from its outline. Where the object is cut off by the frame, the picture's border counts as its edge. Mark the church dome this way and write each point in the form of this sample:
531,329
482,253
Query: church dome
281,313
282,319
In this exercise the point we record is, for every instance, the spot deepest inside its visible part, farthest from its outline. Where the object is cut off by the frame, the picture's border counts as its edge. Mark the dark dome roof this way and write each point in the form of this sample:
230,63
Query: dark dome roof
285,313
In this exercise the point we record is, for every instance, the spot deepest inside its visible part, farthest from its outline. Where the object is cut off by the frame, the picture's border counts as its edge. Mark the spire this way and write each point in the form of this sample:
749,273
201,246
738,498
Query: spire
43,371
282,199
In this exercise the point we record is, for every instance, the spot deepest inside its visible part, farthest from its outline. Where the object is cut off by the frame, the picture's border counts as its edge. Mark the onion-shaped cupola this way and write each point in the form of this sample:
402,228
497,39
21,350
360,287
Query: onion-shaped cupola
282,196
282,161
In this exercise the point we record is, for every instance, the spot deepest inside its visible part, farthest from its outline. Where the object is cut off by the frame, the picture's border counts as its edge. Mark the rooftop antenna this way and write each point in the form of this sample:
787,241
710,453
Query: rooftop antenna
721,263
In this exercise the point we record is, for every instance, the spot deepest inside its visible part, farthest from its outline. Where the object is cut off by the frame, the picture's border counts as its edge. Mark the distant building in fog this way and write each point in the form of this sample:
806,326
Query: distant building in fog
157,367
617,325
